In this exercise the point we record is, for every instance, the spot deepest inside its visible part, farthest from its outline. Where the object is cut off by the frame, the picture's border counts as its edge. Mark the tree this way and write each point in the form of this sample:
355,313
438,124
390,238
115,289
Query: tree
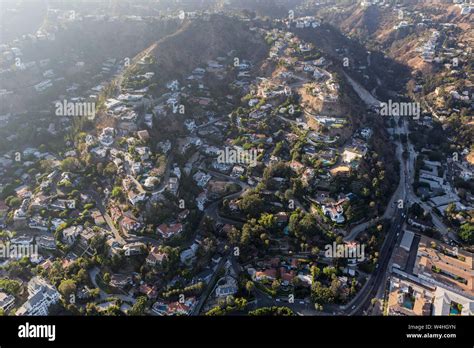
117,192
81,276
315,251
272,311
328,271
249,286
315,271
110,170
251,204
303,224
234,235
321,294
10,286
94,293
13,202
240,303
67,288
139,307
466,233
268,221
250,231
70,164
215,311
335,288
91,309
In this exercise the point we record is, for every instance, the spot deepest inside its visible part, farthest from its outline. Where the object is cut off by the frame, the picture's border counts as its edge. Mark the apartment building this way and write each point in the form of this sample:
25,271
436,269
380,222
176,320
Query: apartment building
41,295
444,265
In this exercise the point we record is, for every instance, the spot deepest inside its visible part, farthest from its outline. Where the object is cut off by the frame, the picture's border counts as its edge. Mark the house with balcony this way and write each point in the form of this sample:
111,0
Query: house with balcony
41,296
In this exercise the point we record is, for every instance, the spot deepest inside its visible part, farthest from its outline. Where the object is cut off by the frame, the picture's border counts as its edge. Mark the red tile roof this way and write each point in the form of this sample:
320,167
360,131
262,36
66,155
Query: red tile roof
169,230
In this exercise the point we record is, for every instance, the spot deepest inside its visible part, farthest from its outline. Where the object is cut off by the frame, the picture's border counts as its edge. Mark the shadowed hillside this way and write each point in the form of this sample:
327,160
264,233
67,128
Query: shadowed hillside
199,41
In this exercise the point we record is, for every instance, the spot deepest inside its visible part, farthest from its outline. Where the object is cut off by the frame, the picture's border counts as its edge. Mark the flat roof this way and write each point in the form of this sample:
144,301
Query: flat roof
407,240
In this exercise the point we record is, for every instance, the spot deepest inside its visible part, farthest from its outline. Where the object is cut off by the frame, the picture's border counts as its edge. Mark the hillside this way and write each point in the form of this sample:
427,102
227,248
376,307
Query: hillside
380,25
202,40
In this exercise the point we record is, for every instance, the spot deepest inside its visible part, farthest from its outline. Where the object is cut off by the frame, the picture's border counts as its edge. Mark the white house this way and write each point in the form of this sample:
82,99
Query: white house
6,301
70,234
41,295
188,255
334,211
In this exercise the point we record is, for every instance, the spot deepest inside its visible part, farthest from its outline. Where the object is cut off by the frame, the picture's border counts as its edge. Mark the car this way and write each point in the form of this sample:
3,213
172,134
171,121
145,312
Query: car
354,306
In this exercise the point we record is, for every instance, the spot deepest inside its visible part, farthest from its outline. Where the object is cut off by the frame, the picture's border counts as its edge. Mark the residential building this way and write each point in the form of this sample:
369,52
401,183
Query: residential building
409,298
226,286
129,224
334,211
447,302
46,242
69,235
174,308
168,231
41,295
155,257
446,266
120,280
6,301
135,248
268,274
187,256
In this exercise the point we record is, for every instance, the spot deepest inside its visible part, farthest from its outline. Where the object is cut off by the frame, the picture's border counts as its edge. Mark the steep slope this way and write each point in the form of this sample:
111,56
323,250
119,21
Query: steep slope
365,21
380,25
202,40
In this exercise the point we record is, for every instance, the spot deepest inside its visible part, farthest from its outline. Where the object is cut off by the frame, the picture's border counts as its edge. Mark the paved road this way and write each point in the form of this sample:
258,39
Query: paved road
209,287
102,294
299,306
107,217
212,210
398,194
363,94
376,279
413,198
362,300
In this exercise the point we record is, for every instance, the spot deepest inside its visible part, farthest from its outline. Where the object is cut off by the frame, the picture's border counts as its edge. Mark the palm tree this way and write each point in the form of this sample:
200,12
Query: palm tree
249,286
